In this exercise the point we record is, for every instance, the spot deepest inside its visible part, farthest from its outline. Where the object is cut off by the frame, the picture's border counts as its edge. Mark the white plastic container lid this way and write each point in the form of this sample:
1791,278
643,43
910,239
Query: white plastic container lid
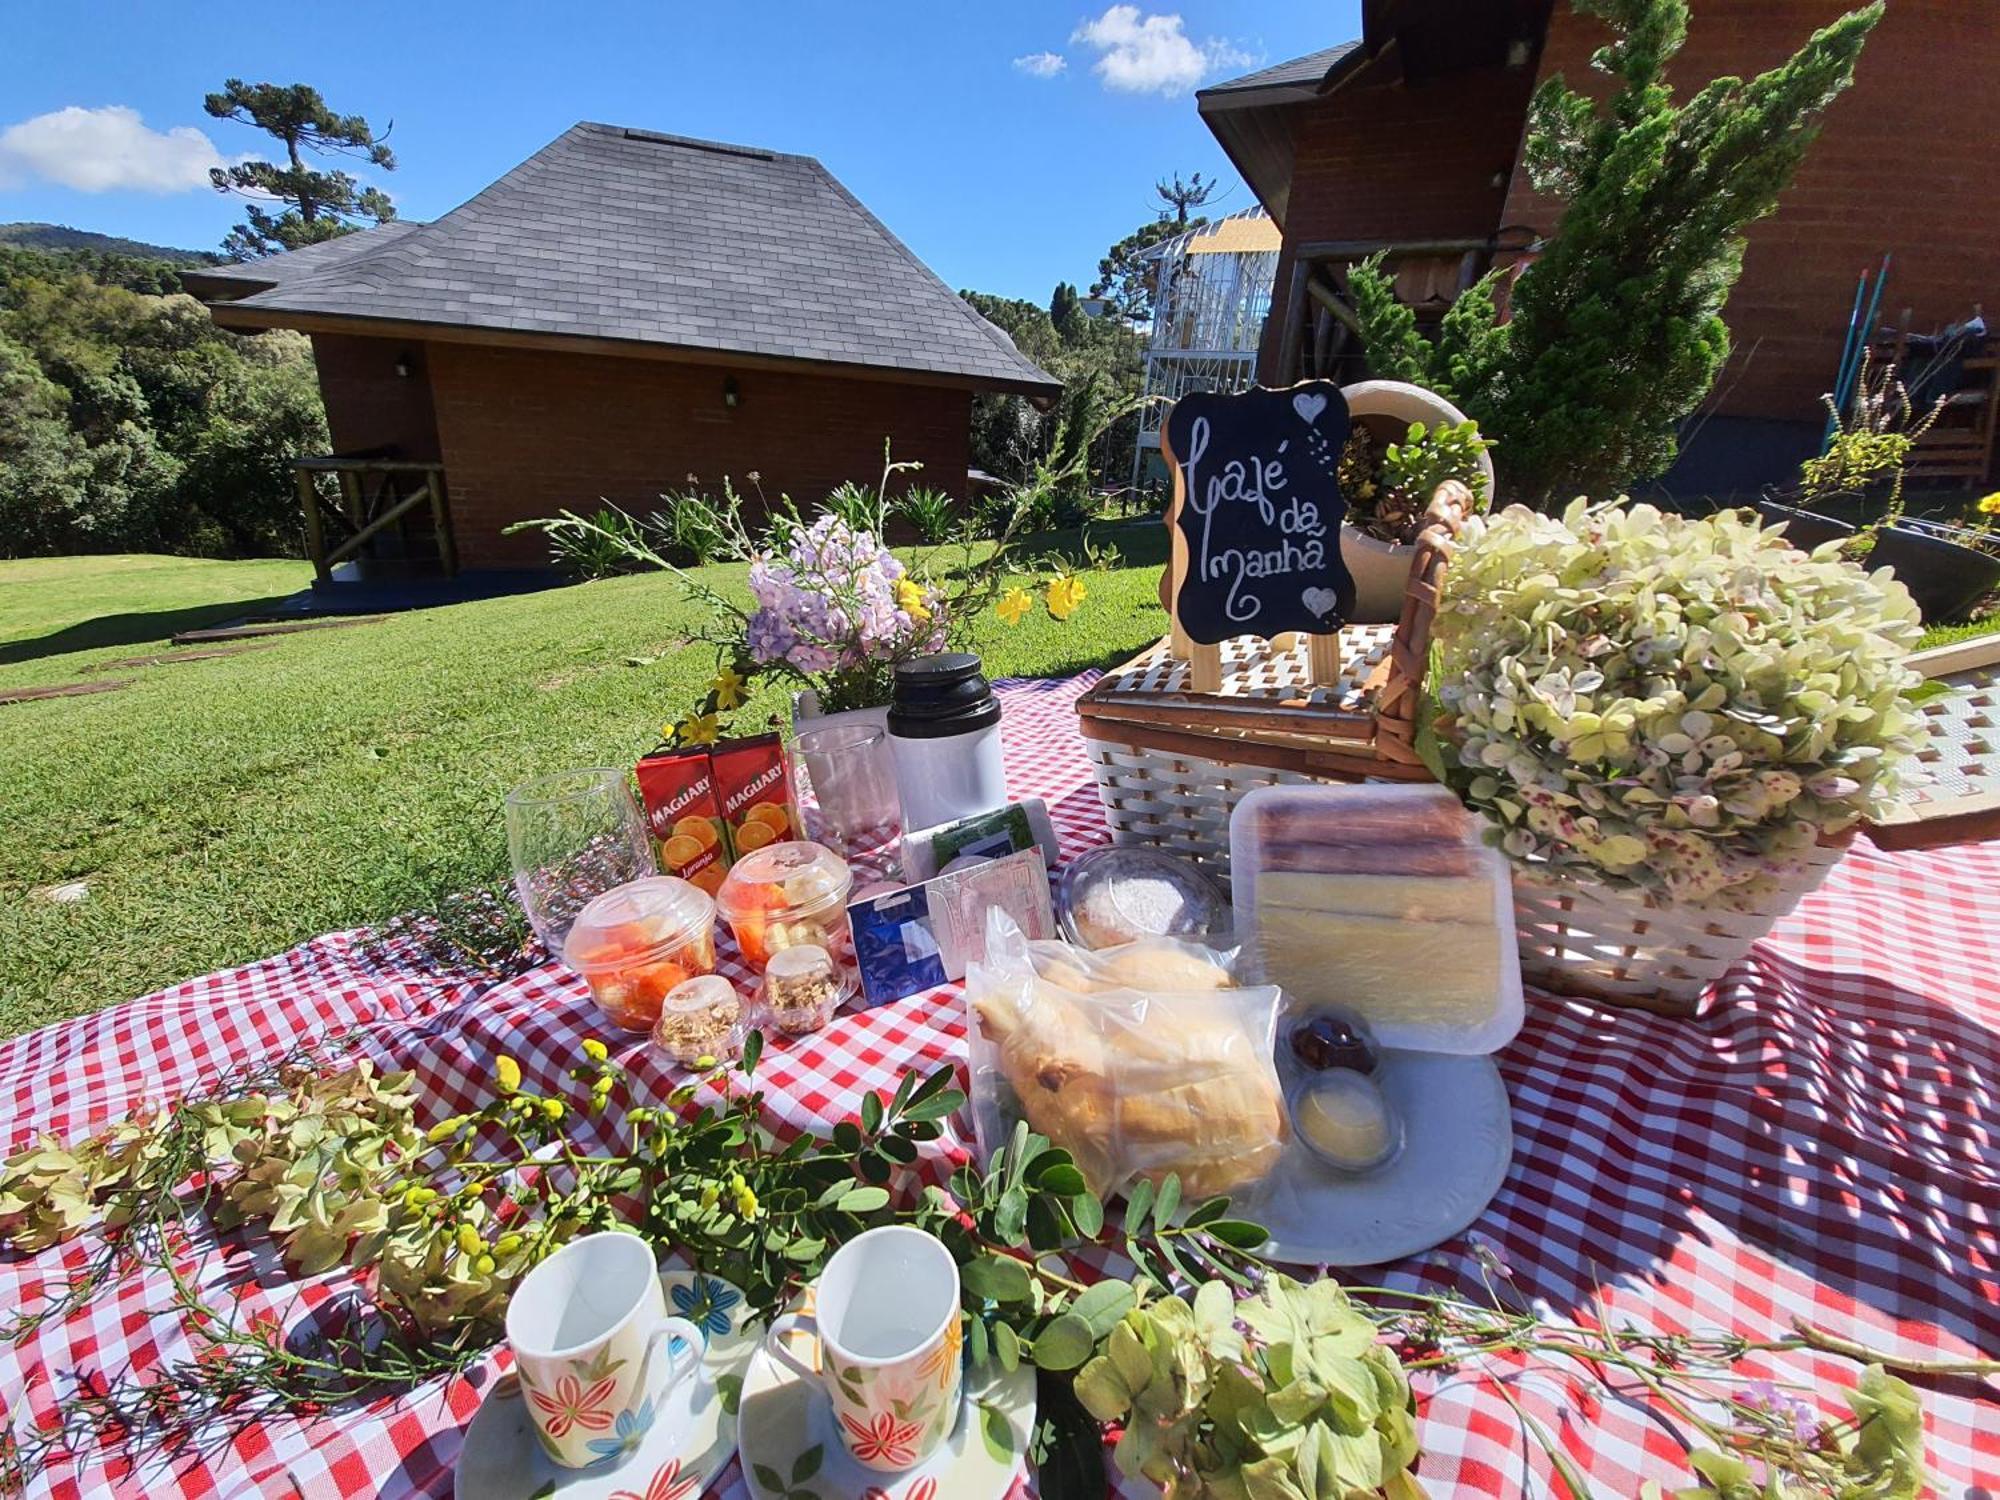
1381,901
638,922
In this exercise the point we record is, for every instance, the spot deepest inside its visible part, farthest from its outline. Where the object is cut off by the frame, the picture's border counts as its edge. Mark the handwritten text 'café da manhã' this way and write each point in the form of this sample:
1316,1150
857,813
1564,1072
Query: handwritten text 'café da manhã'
1260,496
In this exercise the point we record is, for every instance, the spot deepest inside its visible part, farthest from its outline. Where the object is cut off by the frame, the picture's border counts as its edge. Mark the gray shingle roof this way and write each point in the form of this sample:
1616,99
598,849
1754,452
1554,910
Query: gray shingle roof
1300,72
627,234
243,277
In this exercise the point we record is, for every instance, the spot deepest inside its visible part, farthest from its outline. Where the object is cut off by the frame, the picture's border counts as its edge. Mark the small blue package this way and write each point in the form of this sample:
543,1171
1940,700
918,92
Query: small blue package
925,935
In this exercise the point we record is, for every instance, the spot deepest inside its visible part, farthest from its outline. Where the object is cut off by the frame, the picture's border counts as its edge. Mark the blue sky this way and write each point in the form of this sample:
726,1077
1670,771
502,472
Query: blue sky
1008,144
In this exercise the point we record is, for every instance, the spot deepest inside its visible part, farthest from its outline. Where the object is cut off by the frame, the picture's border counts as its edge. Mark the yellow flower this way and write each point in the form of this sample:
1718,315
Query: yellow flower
910,600
507,1074
1989,505
444,1130
1014,605
483,1265
728,686
552,1108
507,1244
595,1050
469,1240
1065,594
700,729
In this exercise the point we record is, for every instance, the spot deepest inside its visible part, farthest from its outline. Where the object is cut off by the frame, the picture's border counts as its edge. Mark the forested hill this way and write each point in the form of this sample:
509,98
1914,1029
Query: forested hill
62,237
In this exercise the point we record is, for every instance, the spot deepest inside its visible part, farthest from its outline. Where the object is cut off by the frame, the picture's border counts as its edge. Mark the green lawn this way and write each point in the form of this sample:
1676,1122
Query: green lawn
222,810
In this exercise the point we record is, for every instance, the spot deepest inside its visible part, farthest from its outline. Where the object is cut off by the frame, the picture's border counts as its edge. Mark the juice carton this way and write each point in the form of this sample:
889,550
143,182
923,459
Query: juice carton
678,788
753,786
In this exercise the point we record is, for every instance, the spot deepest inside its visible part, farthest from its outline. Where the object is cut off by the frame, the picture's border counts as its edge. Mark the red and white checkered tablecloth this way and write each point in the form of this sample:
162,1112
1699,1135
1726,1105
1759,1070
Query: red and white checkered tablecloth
1821,1145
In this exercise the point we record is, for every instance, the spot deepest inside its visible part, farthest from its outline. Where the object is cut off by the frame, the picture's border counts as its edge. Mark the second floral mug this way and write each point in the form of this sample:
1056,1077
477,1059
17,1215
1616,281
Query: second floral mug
596,1352
885,1316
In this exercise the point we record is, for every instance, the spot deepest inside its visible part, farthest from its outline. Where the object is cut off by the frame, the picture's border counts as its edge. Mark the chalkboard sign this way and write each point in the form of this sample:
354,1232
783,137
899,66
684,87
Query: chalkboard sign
1258,505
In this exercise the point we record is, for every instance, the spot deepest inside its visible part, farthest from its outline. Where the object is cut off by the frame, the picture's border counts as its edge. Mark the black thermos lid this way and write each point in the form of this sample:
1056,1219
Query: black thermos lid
939,696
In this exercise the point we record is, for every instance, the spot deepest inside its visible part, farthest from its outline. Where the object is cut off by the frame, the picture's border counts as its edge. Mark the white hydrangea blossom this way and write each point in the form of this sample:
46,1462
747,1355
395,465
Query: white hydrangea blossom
1680,706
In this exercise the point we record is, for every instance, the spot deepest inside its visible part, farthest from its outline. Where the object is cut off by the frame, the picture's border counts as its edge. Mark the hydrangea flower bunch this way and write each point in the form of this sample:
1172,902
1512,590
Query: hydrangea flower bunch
834,599
1675,706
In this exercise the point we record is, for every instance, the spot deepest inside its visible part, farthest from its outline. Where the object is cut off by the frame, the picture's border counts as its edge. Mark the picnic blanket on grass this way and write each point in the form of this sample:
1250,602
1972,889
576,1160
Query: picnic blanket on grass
1820,1145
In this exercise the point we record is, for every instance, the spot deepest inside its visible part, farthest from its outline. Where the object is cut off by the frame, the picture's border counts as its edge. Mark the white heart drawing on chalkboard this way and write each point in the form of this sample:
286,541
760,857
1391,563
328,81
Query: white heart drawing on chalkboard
1308,407
1322,602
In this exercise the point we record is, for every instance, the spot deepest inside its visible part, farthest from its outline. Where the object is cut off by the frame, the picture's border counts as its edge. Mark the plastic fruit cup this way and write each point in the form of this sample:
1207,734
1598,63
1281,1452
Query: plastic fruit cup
636,942
784,895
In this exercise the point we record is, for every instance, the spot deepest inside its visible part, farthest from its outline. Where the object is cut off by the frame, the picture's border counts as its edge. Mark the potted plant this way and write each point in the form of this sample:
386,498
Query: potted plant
1670,725
1947,568
832,609
1405,442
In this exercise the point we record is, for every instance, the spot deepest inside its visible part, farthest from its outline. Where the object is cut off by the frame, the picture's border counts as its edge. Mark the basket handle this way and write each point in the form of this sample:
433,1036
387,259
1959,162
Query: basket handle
1398,682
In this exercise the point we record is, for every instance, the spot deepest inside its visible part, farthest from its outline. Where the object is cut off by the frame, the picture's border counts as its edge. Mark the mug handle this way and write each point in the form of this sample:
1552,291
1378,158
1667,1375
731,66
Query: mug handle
663,1335
774,1341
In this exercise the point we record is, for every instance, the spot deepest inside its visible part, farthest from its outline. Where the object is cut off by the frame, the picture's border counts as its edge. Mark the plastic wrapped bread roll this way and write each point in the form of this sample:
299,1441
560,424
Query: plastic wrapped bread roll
1382,901
1131,1082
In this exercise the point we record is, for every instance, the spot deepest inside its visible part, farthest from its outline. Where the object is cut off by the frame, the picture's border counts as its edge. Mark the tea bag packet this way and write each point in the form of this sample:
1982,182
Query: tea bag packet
1381,901
1139,1062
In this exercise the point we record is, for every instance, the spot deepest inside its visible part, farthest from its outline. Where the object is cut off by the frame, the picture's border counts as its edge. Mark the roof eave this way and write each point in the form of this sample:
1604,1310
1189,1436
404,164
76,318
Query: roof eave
251,316
1237,118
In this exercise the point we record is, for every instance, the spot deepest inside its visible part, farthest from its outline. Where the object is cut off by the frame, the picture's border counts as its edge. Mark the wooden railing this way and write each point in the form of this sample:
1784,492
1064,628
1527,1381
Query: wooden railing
375,493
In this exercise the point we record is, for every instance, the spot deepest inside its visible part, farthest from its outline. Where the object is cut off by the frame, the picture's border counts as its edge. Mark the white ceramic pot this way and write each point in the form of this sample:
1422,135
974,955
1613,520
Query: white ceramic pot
806,713
1382,569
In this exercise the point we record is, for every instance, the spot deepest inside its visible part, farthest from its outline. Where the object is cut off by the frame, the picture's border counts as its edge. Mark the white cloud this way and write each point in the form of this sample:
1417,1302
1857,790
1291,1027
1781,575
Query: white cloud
102,150
1042,64
1147,54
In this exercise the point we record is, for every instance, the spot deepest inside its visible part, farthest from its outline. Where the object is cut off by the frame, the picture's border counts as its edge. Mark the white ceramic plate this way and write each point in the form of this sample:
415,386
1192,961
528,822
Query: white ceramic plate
792,1452
686,1447
1458,1143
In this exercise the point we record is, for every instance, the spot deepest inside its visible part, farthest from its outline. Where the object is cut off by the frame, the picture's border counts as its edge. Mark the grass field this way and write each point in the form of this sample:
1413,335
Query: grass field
222,810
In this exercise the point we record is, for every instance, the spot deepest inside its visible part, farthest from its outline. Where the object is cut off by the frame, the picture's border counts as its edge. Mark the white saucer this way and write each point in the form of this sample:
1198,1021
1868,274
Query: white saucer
688,1444
1458,1143
792,1452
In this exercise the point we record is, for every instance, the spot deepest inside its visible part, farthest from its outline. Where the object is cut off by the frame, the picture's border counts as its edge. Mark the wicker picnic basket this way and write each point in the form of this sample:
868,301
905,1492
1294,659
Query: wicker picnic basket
1172,763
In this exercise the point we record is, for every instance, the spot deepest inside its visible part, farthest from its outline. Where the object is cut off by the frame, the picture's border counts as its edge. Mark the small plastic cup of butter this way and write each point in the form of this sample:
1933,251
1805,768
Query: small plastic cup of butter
1338,1108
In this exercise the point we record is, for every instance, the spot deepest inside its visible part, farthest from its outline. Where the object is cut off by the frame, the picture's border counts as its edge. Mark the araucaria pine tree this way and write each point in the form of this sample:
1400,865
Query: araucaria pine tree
1616,331
320,203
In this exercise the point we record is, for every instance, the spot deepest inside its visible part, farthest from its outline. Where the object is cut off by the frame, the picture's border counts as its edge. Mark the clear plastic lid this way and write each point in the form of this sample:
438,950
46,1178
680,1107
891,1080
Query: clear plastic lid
1382,902
783,881
638,922
701,994
1113,896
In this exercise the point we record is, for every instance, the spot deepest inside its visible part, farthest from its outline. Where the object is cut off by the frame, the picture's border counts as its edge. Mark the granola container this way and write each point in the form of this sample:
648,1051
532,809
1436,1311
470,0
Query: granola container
702,1021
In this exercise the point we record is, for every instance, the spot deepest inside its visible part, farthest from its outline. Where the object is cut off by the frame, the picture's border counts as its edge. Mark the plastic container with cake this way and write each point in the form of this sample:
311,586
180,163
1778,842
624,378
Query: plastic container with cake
637,942
788,895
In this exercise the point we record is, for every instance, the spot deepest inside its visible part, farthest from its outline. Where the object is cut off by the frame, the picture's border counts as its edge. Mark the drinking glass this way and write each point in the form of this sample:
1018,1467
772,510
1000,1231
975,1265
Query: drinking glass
844,772
572,836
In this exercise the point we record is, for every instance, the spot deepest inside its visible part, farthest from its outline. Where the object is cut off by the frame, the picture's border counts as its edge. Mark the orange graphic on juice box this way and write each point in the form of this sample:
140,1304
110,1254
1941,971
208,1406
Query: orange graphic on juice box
678,788
754,787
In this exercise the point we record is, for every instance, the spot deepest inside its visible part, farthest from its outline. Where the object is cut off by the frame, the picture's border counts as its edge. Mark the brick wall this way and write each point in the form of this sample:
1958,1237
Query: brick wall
1396,161
526,433
368,405
1907,161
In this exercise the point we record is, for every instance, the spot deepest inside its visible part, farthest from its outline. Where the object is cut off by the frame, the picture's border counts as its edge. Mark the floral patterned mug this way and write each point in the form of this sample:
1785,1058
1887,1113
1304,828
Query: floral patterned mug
885,1320
585,1326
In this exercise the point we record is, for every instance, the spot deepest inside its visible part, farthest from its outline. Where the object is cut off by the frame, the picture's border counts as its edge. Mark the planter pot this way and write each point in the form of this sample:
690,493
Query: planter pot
1581,937
1945,578
1382,569
806,714
1381,573
1803,528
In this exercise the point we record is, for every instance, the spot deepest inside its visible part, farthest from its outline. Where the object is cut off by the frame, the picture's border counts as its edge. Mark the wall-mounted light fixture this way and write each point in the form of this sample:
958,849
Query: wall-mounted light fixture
403,366
730,394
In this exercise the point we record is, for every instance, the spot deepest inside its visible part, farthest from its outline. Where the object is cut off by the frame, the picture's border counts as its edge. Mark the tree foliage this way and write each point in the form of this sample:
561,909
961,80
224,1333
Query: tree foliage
321,202
1125,280
1616,331
1099,362
129,422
